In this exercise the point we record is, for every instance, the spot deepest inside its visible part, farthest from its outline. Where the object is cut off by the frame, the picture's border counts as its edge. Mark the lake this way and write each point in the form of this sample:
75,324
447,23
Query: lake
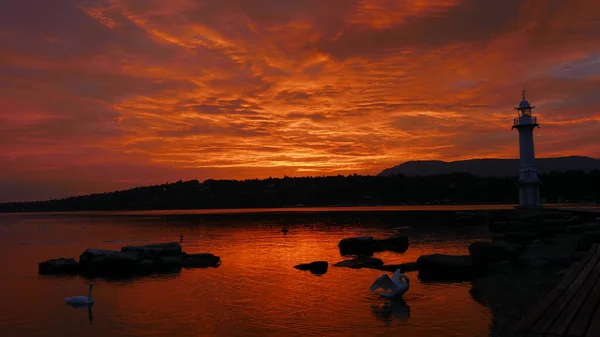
255,292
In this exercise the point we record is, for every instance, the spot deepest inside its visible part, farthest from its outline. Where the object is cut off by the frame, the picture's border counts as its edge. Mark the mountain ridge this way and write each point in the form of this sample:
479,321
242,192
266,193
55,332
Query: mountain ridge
491,167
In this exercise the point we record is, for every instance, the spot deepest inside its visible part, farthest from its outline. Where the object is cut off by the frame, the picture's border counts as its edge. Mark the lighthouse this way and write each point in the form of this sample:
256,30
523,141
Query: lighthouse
529,182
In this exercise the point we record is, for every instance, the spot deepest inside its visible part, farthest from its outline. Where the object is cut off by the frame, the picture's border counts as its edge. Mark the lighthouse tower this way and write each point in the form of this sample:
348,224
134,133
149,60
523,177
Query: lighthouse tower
529,182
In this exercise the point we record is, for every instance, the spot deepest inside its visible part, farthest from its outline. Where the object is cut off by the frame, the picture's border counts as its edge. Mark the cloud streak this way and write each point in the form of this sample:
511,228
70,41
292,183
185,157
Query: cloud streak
163,90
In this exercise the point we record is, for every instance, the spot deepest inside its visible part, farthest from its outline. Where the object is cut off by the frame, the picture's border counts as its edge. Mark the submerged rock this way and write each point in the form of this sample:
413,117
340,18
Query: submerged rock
367,245
316,267
58,266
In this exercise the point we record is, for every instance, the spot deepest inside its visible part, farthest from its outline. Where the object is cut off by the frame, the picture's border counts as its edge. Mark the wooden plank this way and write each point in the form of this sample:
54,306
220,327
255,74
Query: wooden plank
543,325
537,311
572,309
582,320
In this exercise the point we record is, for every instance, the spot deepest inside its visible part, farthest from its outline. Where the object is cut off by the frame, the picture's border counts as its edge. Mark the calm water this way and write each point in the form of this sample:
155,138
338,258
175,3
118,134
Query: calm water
255,292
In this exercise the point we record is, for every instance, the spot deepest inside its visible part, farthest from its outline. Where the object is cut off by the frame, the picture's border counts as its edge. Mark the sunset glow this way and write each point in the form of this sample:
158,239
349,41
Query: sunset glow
98,95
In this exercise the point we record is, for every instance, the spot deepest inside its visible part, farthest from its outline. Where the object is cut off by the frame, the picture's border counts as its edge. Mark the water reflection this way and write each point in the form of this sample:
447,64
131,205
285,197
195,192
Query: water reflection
267,297
392,310
83,305
116,278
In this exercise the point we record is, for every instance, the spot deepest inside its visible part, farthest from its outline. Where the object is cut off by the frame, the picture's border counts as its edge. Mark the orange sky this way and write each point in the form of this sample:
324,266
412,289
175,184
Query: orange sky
97,95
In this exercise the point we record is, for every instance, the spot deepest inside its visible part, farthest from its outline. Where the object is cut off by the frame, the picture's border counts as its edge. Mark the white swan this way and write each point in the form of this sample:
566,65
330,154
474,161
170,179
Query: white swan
75,300
397,286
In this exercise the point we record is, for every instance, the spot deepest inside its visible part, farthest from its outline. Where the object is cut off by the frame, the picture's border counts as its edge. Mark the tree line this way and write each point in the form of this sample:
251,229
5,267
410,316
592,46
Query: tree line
352,190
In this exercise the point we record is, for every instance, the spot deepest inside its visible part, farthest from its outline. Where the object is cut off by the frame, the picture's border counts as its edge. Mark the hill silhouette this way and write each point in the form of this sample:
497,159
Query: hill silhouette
323,191
491,167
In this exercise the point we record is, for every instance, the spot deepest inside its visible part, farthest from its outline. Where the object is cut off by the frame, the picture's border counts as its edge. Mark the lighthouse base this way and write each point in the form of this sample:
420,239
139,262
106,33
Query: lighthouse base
529,195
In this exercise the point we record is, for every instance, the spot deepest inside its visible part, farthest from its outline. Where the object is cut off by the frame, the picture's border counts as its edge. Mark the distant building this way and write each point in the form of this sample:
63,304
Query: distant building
529,182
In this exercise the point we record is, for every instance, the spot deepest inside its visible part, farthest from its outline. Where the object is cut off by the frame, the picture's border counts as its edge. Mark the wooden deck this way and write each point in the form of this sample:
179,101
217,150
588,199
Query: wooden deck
572,308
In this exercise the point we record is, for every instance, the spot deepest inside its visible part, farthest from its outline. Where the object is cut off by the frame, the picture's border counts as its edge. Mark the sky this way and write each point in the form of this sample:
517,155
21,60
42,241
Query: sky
101,95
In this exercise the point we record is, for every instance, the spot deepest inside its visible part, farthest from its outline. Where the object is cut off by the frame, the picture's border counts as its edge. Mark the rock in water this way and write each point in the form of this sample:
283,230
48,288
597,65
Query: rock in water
100,261
362,245
360,262
191,260
130,261
316,267
58,266
367,245
446,267
156,250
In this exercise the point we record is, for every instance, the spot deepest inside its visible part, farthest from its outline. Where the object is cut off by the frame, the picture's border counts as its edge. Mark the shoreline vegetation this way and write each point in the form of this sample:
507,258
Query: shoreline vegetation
331,191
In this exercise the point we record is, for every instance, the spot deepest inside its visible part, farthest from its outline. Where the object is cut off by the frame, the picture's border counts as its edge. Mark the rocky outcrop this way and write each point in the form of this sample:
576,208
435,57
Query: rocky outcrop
315,267
130,261
58,266
367,245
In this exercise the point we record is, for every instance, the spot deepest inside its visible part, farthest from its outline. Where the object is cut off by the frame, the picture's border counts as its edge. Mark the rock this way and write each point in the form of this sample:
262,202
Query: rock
404,267
485,253
579,255
592,236
576,219
397,243
555,222
574,229
557,250
499,237
145,266
362,245
99,261
360,262
189,261
316,267
446,267
200,260
590,226
520,237
58,266
499,226
130,261
529,262
502,267
367,245
155,251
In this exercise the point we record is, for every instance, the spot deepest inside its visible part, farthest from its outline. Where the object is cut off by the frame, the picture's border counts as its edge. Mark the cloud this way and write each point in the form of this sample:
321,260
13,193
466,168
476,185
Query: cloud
95,93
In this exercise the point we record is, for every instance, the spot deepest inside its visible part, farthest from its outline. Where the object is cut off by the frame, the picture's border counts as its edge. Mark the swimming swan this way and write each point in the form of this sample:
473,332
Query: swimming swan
396,286
81,299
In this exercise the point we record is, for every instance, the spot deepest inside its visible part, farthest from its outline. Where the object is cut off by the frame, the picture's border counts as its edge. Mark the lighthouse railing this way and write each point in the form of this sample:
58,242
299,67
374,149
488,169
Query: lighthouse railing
525,121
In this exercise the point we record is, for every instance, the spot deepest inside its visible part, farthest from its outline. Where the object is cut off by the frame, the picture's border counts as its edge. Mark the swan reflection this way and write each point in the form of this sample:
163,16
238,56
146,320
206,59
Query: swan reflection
392,310
83,305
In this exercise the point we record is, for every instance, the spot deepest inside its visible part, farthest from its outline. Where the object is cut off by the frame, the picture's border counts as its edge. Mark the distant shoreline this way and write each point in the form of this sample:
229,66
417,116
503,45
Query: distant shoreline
398,208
